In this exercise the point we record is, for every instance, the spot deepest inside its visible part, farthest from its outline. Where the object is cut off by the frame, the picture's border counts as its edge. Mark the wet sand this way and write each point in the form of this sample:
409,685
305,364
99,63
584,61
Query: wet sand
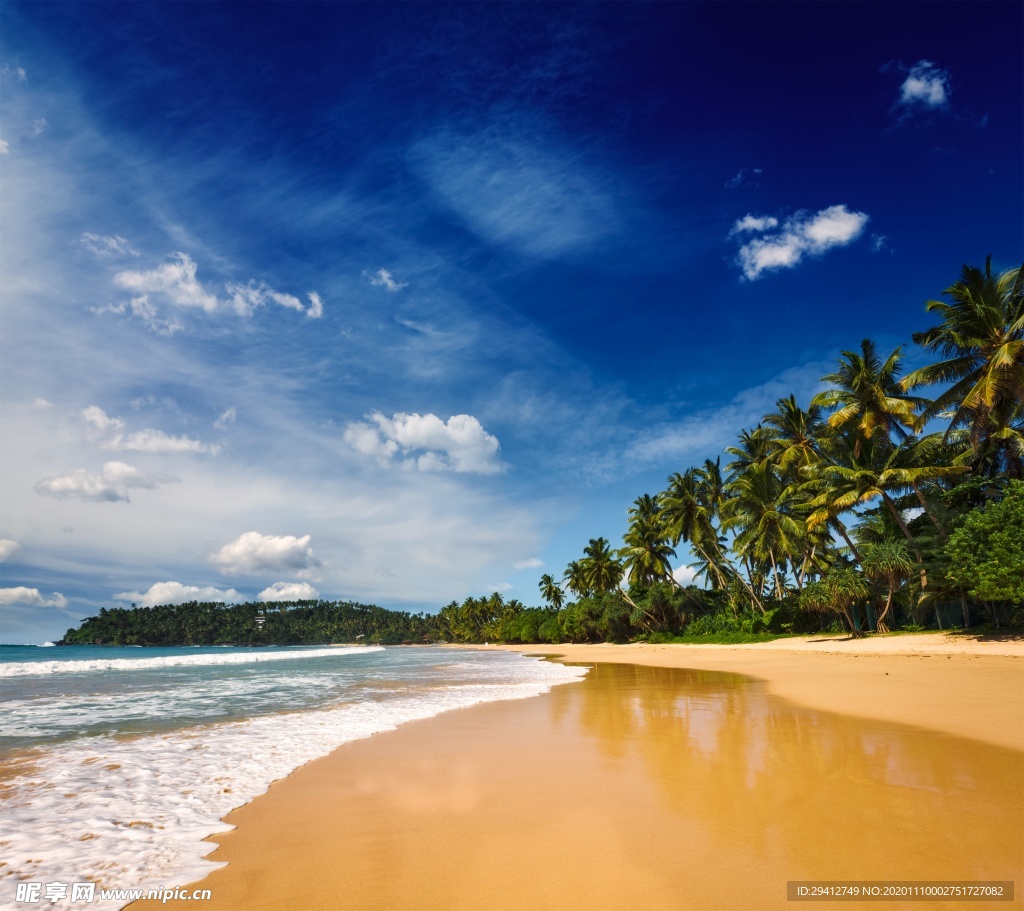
649,787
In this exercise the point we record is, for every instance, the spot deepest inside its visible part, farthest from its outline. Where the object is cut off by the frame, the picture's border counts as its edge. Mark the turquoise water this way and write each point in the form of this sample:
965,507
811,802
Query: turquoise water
118,762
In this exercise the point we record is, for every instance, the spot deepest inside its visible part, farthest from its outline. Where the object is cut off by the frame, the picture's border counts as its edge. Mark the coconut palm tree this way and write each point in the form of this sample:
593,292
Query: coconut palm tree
981,337
551,591
688,516
839,589
795,434
866,395
576,579
646,554
601,570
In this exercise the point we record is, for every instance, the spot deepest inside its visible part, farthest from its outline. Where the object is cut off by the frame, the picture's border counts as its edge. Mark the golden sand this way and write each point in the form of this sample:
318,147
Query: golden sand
666,779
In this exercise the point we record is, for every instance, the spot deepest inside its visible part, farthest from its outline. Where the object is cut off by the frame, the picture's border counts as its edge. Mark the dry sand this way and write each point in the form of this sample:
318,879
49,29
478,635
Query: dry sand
664,780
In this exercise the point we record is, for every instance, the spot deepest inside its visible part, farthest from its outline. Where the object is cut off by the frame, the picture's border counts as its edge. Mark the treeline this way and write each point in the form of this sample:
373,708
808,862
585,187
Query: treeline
871,502
252,623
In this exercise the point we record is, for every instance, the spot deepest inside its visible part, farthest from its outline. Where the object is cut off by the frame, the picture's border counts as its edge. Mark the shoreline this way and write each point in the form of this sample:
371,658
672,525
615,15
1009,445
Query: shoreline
546,802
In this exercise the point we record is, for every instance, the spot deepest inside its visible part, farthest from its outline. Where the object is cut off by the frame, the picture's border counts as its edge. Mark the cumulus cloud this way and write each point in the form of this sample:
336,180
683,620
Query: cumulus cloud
109,432
384,279
8,549
31,597
176,593
289,591
253,552
110,486
684,575
926,86
106,246
532,563
804,234
426,442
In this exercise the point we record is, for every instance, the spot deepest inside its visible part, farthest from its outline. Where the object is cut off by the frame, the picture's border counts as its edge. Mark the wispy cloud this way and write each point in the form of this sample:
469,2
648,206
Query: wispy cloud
176,593
537,199
532,563
227,416
174,281
31,597
459,444
926,87
109,433
382,278
253,552
743,177
803,234
106,246
111,485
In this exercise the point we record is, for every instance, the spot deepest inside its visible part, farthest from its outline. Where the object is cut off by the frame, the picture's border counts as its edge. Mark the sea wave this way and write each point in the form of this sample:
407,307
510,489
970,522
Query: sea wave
45,668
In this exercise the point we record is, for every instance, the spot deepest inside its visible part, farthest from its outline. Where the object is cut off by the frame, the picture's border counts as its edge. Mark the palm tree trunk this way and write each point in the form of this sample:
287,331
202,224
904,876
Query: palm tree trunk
750,589
842,530
909,536
880,625
931,515
775,571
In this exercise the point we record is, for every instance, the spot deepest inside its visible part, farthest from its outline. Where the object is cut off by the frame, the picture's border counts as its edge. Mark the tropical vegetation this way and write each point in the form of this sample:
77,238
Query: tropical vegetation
888,500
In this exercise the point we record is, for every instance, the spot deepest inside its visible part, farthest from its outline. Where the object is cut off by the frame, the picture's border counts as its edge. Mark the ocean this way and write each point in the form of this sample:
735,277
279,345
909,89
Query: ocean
118,762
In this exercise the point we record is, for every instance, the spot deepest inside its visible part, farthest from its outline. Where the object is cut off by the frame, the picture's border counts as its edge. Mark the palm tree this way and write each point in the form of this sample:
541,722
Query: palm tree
646,554
839,589
981,337
889,562
688,515
601,570
551,591
867,395
576,579
795,434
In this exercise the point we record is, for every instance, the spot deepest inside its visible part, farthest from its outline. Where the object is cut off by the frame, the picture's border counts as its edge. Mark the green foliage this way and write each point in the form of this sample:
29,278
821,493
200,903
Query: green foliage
986,553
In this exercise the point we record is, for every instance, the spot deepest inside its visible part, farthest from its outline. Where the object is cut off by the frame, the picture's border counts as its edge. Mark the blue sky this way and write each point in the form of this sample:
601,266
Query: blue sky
403,303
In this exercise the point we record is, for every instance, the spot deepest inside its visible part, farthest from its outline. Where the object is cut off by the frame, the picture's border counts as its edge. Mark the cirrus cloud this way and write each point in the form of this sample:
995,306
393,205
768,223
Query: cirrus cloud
253,552
425,442
176,593
803,234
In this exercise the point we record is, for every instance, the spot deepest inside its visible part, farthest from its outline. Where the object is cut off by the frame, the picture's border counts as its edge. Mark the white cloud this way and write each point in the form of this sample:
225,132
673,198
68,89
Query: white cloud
532,563
683,575
8,549
289,591
42,404
31,596
228,416
384,279
110,486
109,432
316,306
878,242
4,147
175,281
926,86
537,197
246,298
176,593
754,223
253,552
743,176
802,235
106,246
39,126
459,444
6,71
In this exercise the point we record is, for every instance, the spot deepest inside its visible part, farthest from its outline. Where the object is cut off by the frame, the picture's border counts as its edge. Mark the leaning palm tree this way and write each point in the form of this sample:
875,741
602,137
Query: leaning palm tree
689,516
981,337
551,591
866,395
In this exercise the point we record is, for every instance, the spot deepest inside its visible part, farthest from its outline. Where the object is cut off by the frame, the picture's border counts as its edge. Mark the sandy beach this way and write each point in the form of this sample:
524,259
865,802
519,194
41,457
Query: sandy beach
672,777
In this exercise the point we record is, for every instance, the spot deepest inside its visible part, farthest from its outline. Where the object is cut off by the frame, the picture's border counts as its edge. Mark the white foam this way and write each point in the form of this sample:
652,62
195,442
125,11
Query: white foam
133,813
43,668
